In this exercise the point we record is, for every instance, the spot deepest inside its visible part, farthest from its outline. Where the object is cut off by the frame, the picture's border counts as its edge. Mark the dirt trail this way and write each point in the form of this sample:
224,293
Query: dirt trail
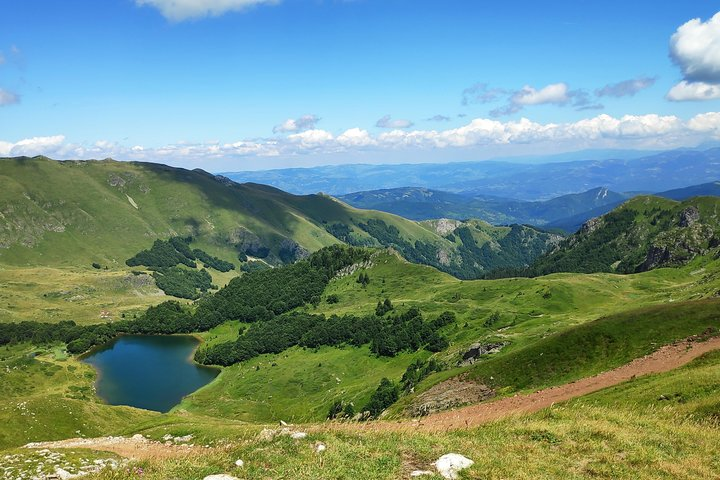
665,359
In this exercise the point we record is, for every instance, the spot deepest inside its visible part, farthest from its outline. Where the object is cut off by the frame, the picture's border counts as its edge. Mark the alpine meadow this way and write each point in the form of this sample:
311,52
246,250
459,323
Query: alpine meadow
253,239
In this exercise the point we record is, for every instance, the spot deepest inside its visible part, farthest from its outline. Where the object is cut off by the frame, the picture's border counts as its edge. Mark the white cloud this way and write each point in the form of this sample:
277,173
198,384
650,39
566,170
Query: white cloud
311,138
688,91
33,146
355,137
631,131
695,48
306,122
179,10
388,122
8,98
555,93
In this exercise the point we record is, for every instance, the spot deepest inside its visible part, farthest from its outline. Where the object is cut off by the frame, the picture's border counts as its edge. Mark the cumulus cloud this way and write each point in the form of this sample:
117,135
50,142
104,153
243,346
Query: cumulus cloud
688,91
555,93
306,122
8,98
639,131
626,88
695,48
388,122
179,10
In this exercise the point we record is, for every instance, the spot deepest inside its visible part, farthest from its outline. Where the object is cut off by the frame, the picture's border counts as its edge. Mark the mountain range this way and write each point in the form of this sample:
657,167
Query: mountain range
521,181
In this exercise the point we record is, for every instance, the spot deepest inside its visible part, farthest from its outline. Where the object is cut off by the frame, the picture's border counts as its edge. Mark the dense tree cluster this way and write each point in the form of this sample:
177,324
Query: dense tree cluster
212,262
385,395
386,336
417,371
341,409
182,282
595,252
177,251
254,266
257,296
163,254
383,307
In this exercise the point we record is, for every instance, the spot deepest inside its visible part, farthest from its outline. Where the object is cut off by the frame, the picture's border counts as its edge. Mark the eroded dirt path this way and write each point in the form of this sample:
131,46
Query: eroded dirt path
665,359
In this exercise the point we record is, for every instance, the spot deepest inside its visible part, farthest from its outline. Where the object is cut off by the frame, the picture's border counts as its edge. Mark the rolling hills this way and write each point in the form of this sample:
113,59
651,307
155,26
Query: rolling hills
426,204
544,330
74,213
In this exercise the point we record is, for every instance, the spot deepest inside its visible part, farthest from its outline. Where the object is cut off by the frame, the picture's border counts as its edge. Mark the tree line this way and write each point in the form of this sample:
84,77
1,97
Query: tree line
387,336
255,296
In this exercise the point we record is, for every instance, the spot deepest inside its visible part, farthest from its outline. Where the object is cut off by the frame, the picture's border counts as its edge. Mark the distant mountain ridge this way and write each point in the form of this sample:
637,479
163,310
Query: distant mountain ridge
426,204
522,181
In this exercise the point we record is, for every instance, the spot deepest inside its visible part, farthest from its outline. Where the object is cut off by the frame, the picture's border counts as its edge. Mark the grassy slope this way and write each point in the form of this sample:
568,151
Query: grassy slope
626,432
288,391
52,396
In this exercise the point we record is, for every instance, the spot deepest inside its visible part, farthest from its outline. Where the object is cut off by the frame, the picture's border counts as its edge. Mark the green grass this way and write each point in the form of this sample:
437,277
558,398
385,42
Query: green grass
606,435
48,294
598,346
47,395
297,385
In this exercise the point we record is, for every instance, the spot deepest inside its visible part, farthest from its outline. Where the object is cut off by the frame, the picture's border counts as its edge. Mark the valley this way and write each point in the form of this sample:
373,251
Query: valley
545,332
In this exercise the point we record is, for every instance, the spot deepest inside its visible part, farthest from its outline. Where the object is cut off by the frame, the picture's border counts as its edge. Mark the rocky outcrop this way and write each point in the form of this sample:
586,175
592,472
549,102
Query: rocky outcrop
449,394
473,353
689,217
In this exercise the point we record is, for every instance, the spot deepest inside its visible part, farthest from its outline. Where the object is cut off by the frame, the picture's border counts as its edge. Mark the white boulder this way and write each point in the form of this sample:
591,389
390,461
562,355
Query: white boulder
239,463
298,435
221,476
450,464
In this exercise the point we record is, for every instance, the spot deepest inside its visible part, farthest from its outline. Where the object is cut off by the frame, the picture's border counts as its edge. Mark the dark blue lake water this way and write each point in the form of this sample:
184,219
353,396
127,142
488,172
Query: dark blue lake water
150,372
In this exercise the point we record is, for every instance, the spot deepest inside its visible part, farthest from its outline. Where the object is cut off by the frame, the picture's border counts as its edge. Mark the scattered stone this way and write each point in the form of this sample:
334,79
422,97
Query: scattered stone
138,437
450,464
320,447
298,435
221,476
420,473
63,474
283,423
183,439
239,463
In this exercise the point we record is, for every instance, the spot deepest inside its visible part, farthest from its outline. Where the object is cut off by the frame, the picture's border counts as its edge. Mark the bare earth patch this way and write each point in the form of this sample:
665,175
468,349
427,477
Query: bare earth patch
452,393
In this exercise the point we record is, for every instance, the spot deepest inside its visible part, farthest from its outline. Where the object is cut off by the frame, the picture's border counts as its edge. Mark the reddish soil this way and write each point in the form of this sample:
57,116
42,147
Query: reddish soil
665,359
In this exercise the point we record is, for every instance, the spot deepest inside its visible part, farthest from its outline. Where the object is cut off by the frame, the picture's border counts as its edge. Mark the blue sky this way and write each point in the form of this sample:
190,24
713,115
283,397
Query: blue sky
249,84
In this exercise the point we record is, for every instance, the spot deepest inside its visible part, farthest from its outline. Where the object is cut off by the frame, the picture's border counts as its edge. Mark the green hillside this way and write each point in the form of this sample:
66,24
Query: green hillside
644,233
57,219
